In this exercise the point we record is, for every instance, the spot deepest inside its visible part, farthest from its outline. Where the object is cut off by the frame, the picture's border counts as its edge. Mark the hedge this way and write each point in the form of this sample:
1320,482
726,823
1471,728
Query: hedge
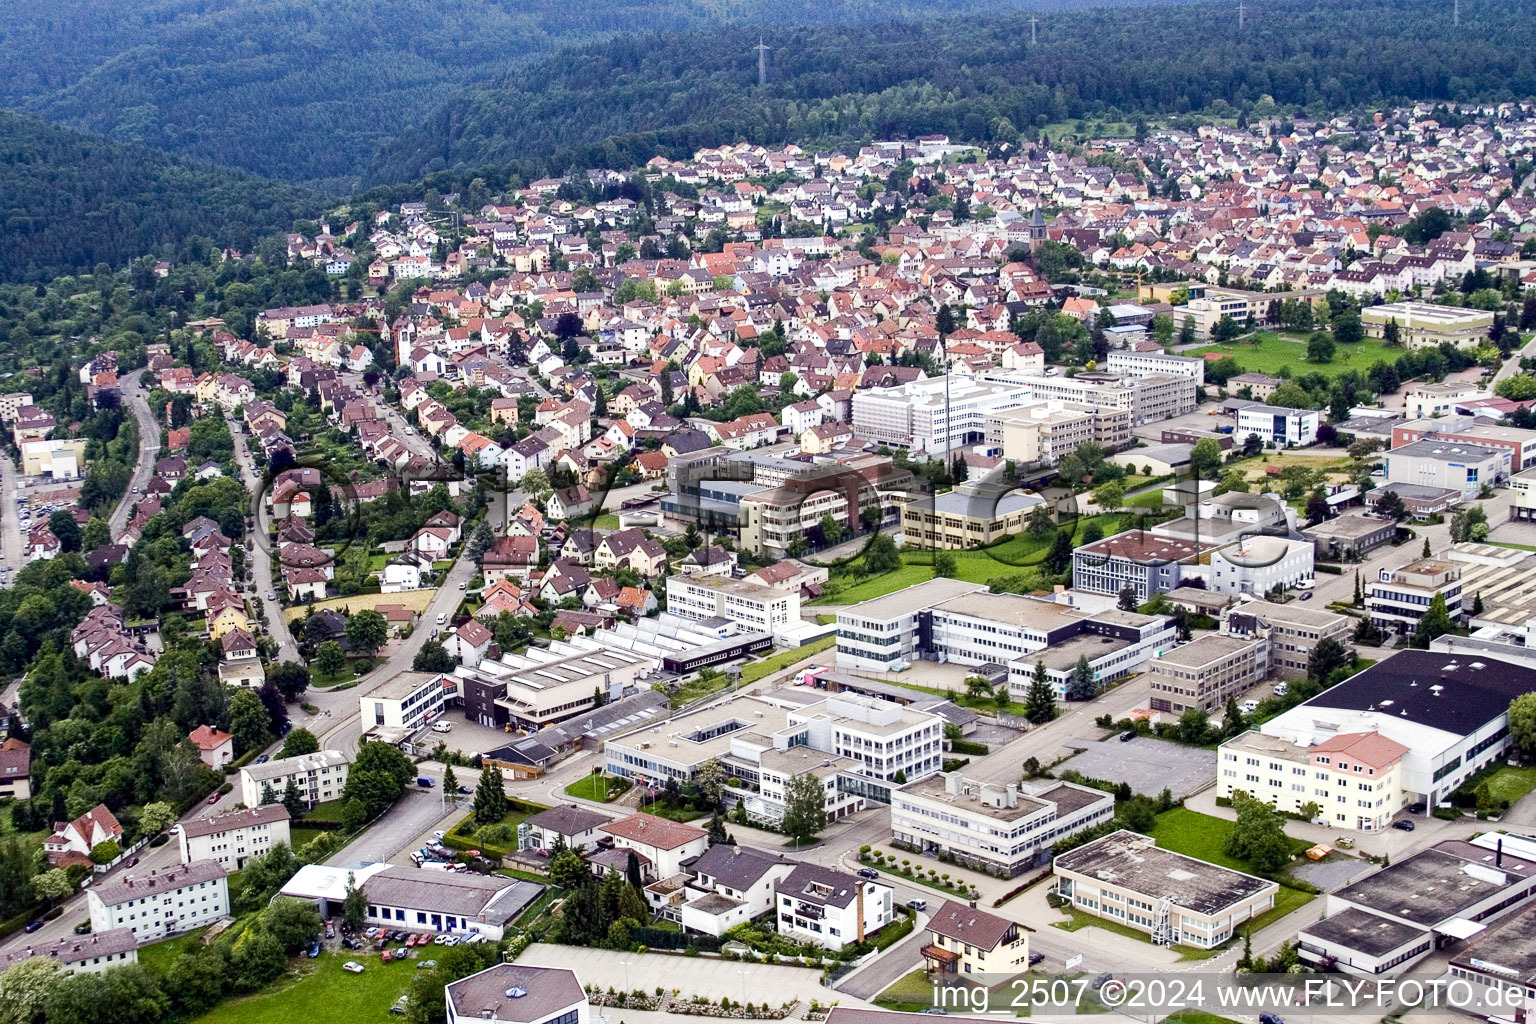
968,747
662,938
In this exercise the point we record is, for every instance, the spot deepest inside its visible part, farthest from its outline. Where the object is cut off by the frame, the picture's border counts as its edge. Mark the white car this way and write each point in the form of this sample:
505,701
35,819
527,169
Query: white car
352,967
1248,707
1306,584
1281,689
439,834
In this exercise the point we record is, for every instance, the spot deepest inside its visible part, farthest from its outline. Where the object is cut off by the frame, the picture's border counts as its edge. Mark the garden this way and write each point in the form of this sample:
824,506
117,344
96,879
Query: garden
906,868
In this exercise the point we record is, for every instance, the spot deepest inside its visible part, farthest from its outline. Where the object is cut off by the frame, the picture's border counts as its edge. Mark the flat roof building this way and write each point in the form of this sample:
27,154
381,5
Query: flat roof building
1464,468
968,516
1206,671
1175,899
518,994
882,633
1426,325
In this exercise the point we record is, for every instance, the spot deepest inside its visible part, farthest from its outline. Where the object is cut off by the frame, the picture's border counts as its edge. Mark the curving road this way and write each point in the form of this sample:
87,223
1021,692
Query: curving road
149,447
260,562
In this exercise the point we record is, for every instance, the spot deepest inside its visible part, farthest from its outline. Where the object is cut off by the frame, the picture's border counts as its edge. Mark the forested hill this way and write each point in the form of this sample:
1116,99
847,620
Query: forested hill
623,101
69,200
305,90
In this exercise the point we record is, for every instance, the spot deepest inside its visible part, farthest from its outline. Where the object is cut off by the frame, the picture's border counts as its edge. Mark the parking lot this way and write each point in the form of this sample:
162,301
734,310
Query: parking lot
1147,764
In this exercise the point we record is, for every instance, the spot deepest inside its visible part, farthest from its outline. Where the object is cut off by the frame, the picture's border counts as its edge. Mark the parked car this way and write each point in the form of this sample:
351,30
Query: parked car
1270,1018
1404,826
1248,706
465,790
424,782
385,956
868,873
1098,982
442,727
1344,843
1128,735
314,949
264,758
439,835
1307,596
83,928
918,904
1416,807
398,1009
352,967
213,798
1035,958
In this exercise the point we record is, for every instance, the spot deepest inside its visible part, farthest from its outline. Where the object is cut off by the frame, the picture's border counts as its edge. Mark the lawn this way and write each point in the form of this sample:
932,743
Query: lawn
158,956
1267,352
911,992
756,670
606,521
1077,919
1203,837
1018,554
598,787
415,600
1511,783
298,836
683,814
320,990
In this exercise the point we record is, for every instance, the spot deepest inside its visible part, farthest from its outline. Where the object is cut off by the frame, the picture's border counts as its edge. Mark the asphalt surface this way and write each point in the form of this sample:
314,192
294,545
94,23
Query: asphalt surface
149,448
259,559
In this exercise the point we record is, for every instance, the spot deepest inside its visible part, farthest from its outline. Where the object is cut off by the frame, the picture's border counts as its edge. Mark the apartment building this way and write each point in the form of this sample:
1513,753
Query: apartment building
232,838
964,940
320,777
1351,780
80,954
1042,432
1398,598
993,827
1426,325
1146,364
937,413
1294,631
750,605
1519,443
1257,564
1149,399
160,903
1175,899
1277,425
968,516
1206,671
1430,399
730,884
664,844
885,634
831,908
405,702
1147,562
885,740
1455,466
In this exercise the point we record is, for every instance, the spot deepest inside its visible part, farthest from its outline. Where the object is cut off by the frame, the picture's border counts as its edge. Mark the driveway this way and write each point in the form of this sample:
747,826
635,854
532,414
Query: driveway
394,834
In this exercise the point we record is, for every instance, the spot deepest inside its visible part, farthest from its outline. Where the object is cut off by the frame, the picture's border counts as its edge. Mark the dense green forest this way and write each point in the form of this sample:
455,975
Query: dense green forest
305,91
625,100
69,200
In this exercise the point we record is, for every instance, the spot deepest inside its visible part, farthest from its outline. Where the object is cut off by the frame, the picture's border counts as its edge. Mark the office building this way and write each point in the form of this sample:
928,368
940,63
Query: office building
1256,565
968,516
1349,535
751,606
517,994
1520,444
1349,781
937,413
406,702
1522,495
1175,899
1040,433
1145,364
1463,468
1429,399
994,828
234,837
1206,671
882,634
1146,562
320,777
160,903
1448,710
1148,398
541,686
1278,425
1398,598
1294,631
1425,325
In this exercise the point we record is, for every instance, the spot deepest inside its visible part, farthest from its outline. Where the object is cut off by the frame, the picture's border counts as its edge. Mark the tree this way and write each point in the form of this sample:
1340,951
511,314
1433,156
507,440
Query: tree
1519,388
1436,622
1347,329
52,885
1232,721
1139,814
1205,457
432,657
717,830
1392,334
379,774
1082,685
1390,504
805,807
1427,552
450,783
329,661
1522,722
1040,700
292,799
25,987
1127,602
299,741
1359,600
366,631
480,541
354,906
290,677
1194,727
249,722
1111,496
156,817
293,923
1258,836
710,778
1317,507
490,797
945,564
1041,524
1366,634
64,527
880,555
1253,444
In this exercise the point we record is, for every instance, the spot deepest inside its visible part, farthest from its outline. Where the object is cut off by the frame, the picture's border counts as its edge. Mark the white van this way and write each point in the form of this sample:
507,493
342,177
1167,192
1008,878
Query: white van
442,727
442,617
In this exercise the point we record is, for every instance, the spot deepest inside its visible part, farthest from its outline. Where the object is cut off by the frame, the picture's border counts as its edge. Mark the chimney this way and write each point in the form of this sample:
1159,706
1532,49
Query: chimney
1498,859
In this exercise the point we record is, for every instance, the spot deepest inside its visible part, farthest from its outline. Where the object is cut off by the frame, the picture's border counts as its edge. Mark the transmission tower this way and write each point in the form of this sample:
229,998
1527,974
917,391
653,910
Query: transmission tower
1240,13
762,62
1032,38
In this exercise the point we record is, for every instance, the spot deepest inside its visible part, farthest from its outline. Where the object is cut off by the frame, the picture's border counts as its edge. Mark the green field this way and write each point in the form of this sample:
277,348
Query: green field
1018,554
752,672
1269,353
158,956
598,787
1203,837
1511,783
912,993
320,990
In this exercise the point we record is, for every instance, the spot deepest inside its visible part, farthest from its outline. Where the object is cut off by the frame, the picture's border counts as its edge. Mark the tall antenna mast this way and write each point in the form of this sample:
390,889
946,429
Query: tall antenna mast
1456,13
762,62
1032,22
1239,15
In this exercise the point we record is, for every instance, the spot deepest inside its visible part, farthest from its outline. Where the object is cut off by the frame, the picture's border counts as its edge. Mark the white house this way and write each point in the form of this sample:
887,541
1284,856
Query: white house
161,903
731,884
1278,425
666,844
80,954
320,776
831,908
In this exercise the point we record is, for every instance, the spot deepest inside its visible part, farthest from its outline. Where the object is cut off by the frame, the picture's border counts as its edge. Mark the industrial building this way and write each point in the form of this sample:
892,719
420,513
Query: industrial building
1426,325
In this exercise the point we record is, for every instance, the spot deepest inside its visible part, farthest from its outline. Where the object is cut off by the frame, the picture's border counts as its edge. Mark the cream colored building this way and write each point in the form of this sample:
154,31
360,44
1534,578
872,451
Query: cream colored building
320,776
964,940
1149,399
1426,325
233,838
1175,899
772,520
1043,432
1355,780
543,685
1398,599
1206,671
62,459
971,515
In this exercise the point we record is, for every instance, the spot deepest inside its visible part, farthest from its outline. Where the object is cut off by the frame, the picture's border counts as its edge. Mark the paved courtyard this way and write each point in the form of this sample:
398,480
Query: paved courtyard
1147,764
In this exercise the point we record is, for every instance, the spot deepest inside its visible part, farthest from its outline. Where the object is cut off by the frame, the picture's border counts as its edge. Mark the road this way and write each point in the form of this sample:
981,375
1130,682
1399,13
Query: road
149,448
13,555
1511,366
260,560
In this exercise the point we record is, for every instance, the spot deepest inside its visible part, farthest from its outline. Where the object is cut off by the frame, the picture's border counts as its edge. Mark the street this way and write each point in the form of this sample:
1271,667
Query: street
149,448
260,559
13,555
